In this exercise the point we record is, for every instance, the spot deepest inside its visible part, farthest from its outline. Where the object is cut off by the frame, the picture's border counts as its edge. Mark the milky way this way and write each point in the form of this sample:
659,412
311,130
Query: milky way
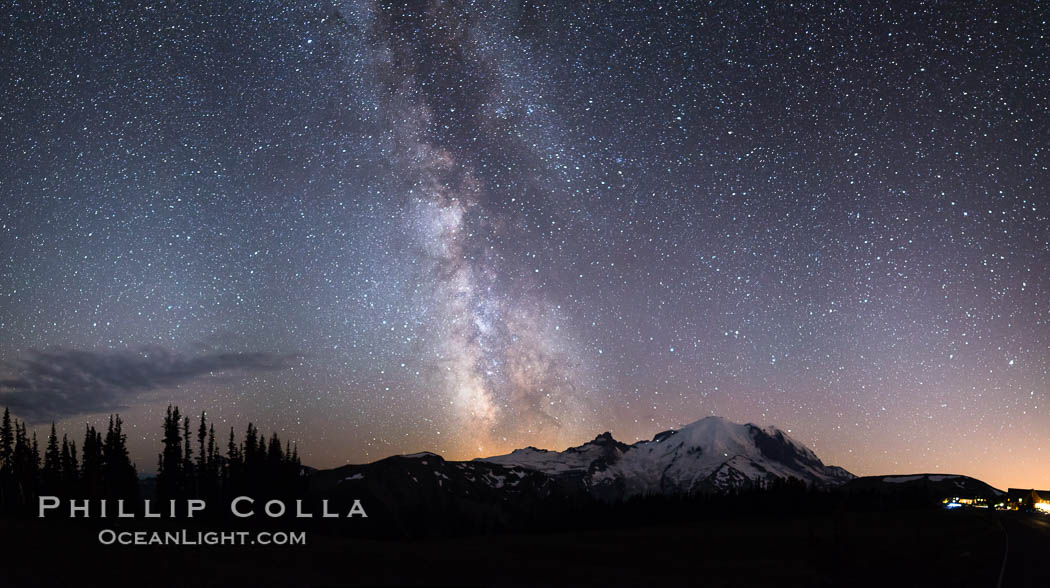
494,349
469,227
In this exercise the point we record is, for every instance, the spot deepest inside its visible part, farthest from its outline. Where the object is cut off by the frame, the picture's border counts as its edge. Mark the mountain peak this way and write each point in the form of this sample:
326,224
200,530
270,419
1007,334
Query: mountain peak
605,441
531,449
421,455
711,424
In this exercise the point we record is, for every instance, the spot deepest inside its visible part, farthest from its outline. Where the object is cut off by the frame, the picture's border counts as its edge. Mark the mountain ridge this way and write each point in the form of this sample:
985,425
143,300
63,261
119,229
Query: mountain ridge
712,454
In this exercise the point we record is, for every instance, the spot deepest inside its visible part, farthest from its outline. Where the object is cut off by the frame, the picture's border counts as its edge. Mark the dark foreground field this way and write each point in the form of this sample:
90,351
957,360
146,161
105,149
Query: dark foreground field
902,548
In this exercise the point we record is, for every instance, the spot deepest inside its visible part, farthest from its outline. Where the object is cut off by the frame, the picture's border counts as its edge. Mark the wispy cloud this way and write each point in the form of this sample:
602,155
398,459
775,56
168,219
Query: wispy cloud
58,383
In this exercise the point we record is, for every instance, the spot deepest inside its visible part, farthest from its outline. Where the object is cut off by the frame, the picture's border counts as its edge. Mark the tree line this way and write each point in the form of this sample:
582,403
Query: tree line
191,464
101,469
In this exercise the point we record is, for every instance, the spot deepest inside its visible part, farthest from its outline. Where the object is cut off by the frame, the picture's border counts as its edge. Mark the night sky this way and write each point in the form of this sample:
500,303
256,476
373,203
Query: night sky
465,228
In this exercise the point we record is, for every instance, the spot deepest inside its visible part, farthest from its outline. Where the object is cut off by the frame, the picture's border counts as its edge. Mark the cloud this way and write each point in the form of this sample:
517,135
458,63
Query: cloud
61,382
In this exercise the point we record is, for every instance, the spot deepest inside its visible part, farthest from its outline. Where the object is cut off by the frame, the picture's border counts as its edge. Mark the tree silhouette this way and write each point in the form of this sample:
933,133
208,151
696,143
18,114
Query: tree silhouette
121,479
91,463
187,457
169,471
52,462
70,475
213,455
7,442
202,438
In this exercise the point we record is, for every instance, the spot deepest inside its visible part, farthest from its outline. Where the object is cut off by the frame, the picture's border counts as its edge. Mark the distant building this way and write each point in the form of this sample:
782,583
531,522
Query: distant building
1027,499
962,501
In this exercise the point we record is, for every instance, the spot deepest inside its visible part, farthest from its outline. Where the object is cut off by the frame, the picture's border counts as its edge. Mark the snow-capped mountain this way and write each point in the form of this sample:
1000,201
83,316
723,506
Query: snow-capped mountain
423,492
712,454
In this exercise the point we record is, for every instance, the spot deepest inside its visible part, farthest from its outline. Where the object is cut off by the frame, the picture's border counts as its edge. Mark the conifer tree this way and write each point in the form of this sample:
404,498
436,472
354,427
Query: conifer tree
70,468
7,442
121,480
52,461
252,469
91,462
187,456
213,461
234,463
33,457
169,470
25,476
202,436
213,455
7,449
274,454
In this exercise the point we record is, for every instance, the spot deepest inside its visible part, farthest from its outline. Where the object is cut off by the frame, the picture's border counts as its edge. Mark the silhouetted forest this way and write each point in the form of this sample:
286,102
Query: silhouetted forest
191,464
103,468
